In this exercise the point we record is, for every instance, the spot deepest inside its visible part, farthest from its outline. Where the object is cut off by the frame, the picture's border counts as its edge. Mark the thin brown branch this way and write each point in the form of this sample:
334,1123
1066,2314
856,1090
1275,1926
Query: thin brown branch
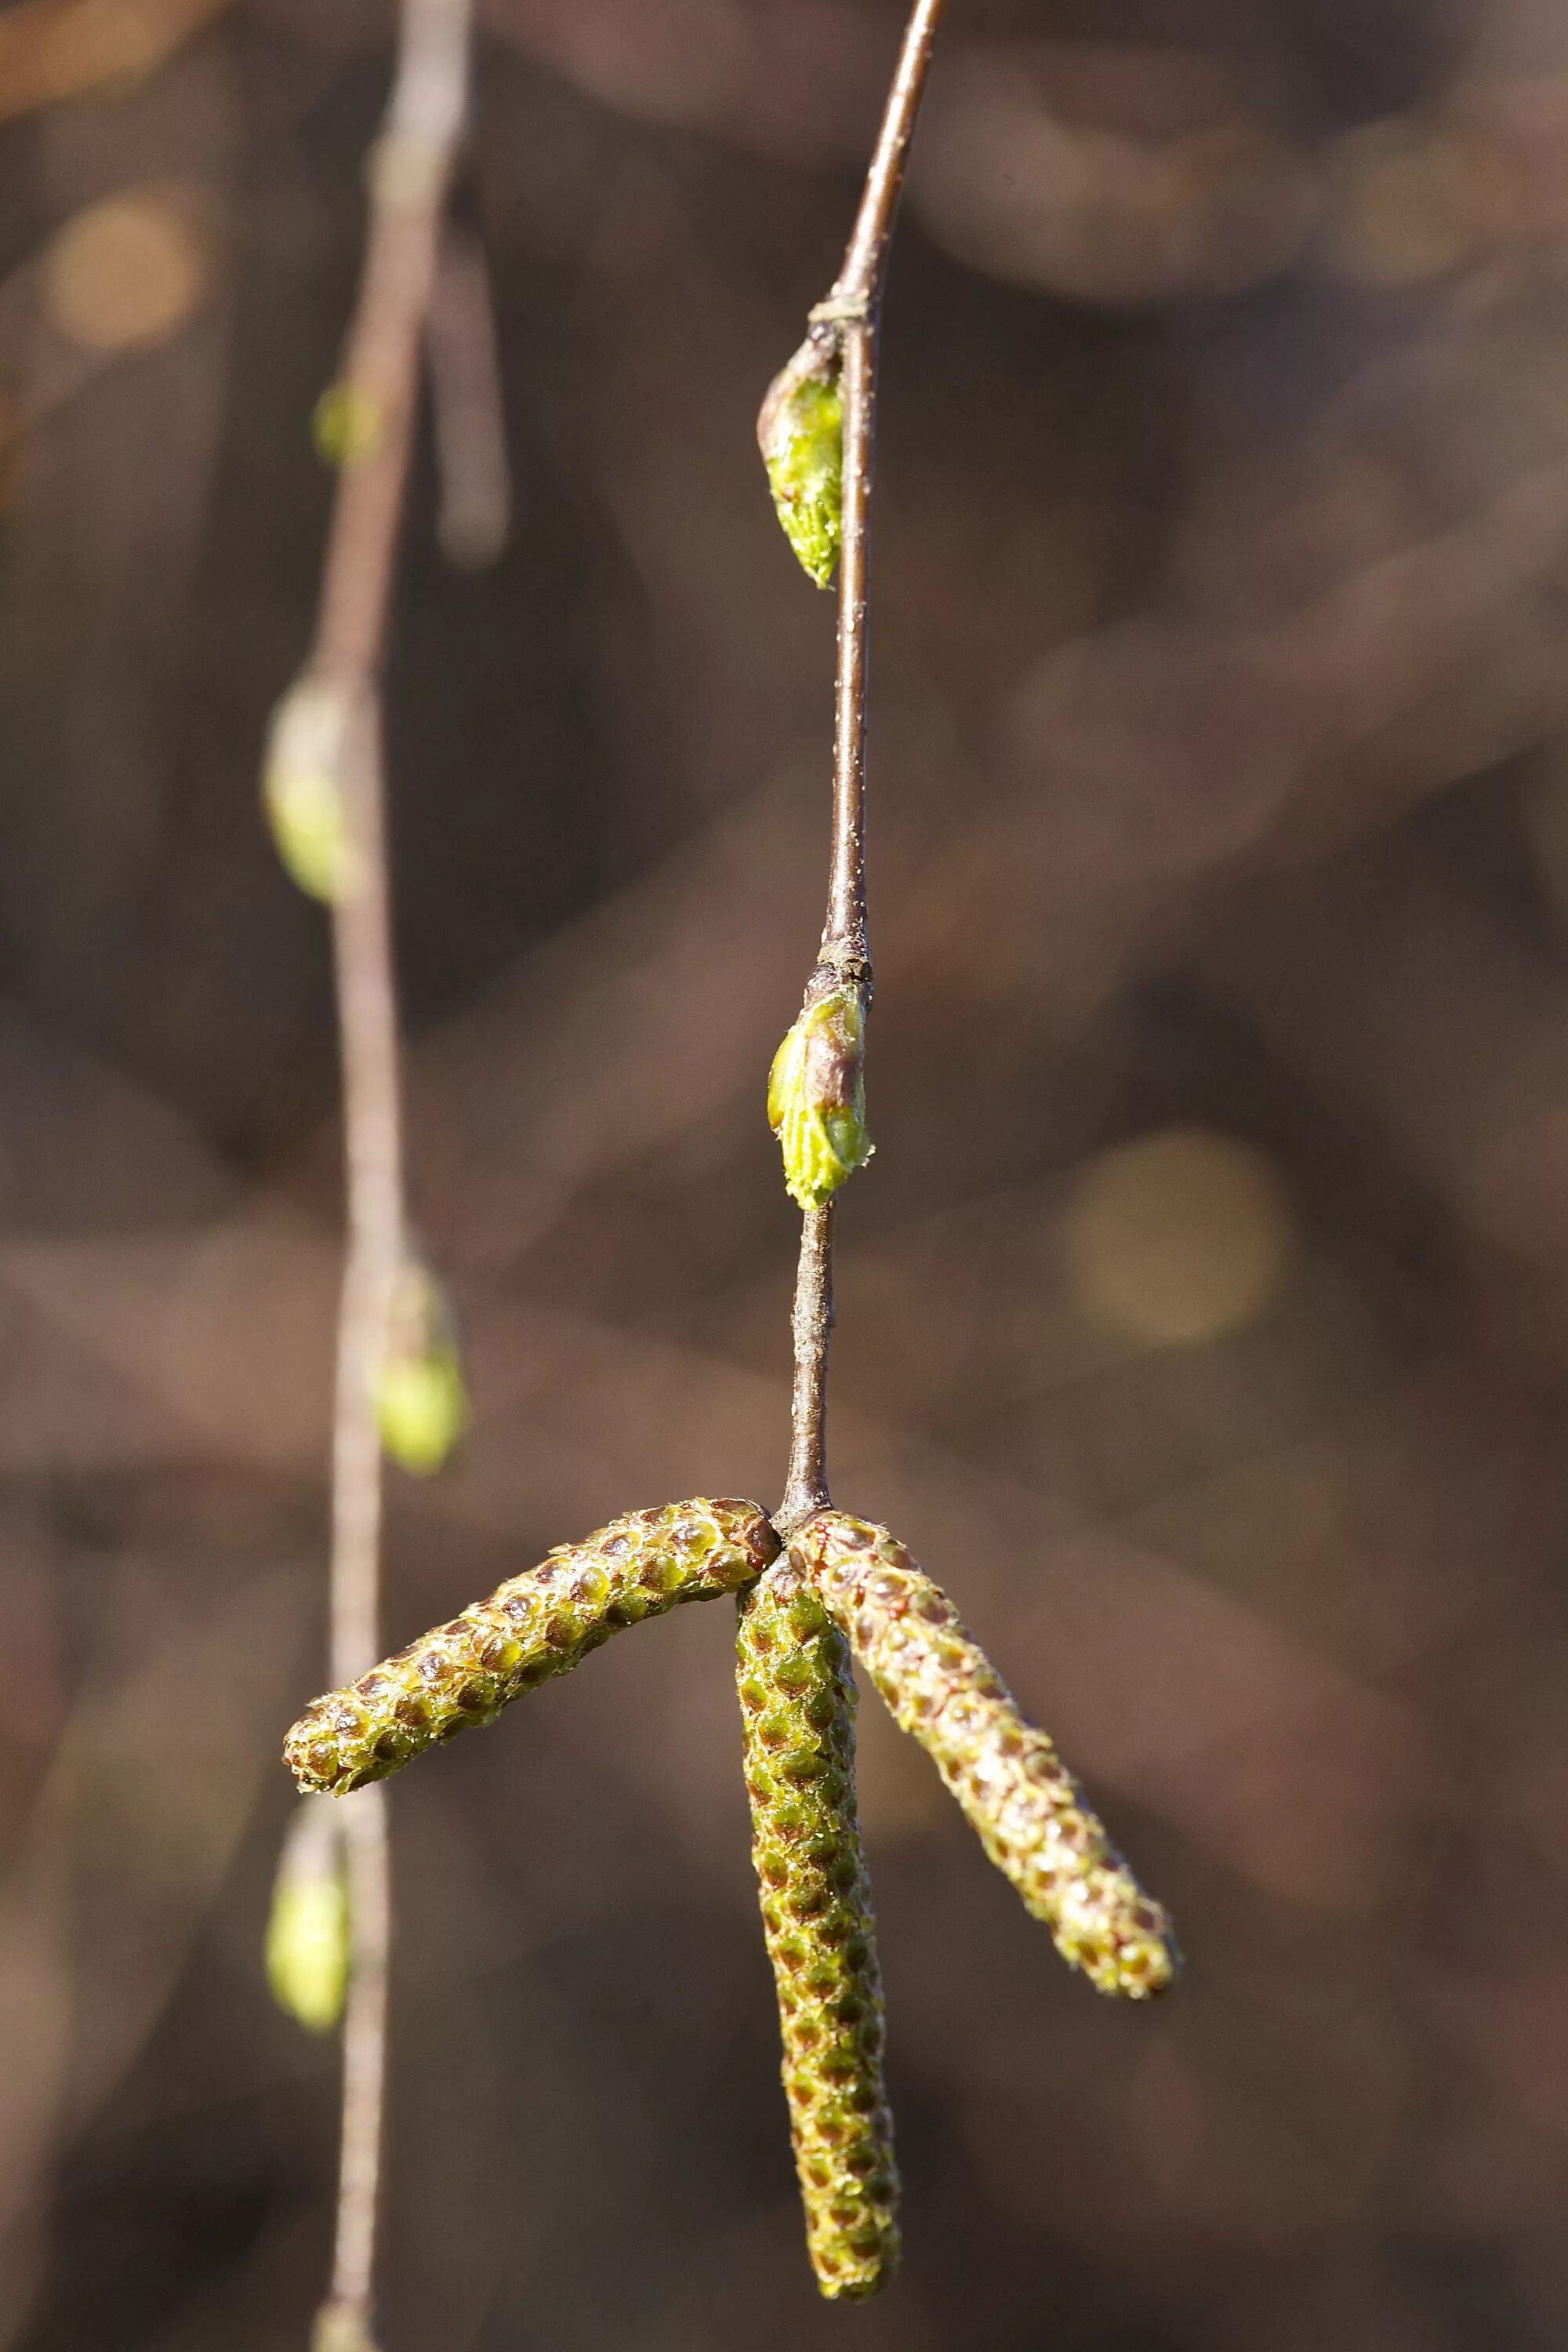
410,169
851,316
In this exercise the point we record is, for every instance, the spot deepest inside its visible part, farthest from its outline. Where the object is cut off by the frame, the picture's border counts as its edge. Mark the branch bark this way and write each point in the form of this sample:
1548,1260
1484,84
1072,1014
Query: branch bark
851,320
409,172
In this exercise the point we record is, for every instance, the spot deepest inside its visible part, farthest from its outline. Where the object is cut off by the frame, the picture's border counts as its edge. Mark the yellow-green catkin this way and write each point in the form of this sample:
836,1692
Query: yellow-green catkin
307,1928
797,1708
801,434
816,1096
535,1626
1030,1815
302,788
421,1399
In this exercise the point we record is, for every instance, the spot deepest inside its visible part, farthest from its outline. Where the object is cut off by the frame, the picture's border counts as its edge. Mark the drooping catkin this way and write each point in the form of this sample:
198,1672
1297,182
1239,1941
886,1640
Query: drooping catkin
798,1710
1014,1789
534,1626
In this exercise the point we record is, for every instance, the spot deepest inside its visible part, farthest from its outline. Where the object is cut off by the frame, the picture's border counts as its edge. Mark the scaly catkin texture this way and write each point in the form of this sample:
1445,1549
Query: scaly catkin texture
535,1625
797,1708
1013,1787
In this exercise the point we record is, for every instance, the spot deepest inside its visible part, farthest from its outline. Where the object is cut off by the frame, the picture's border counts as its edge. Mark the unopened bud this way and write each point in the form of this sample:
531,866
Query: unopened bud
801,434
817,1097
307,1929
347,426
421,1403
302,788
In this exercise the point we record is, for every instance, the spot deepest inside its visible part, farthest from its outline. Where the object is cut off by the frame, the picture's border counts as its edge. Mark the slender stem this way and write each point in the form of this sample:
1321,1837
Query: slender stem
409,172
852,313
865,258
812,1324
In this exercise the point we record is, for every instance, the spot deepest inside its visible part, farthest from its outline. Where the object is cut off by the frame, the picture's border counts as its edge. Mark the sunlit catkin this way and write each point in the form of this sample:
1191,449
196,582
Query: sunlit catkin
535,1626
797,1708
1013,1787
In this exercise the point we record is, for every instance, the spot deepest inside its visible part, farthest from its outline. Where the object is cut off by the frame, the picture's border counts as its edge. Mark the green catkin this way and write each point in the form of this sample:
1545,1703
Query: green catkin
798,1710
535,1626
1013,1787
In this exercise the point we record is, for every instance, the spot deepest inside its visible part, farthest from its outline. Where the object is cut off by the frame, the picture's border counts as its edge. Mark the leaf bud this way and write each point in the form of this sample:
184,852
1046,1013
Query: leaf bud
308,1928
302,789
816,1096
421,1400
801,434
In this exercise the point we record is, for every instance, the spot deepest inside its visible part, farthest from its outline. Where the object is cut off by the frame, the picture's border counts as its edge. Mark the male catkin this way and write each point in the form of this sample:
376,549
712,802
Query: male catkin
797,1709
1014,1789
535,1625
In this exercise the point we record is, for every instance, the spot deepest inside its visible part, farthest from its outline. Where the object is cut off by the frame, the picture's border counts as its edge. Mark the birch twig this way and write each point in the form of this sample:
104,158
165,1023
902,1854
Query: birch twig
410,169
845,331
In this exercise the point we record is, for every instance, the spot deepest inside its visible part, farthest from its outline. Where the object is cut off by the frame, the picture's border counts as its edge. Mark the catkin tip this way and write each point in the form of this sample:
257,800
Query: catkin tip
1013,1787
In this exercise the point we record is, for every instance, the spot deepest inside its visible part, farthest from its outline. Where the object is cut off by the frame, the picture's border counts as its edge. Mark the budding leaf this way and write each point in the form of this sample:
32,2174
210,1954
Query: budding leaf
302,790
421,1402
801,431
307,1929
817,1097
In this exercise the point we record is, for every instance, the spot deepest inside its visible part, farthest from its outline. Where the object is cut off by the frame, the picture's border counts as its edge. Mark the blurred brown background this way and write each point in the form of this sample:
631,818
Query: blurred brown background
1204,1315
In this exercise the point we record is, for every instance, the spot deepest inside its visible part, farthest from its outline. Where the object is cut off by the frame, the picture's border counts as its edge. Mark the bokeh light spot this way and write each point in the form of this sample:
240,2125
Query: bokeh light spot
124,274
1181,1236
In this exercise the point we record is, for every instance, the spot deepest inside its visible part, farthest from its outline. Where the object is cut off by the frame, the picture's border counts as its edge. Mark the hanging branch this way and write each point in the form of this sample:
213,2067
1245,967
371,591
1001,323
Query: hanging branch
844,1583
819,432
326,798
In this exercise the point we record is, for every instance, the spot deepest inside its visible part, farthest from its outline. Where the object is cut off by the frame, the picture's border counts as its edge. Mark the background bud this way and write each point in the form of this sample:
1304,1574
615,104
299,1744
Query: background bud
421,1402
308,1928
302,788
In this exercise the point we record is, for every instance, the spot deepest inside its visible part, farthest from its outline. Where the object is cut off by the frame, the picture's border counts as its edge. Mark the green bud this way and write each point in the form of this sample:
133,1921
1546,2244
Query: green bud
801,435
307,1929
421,1402
797,1715
817,1097
347,426
302,789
